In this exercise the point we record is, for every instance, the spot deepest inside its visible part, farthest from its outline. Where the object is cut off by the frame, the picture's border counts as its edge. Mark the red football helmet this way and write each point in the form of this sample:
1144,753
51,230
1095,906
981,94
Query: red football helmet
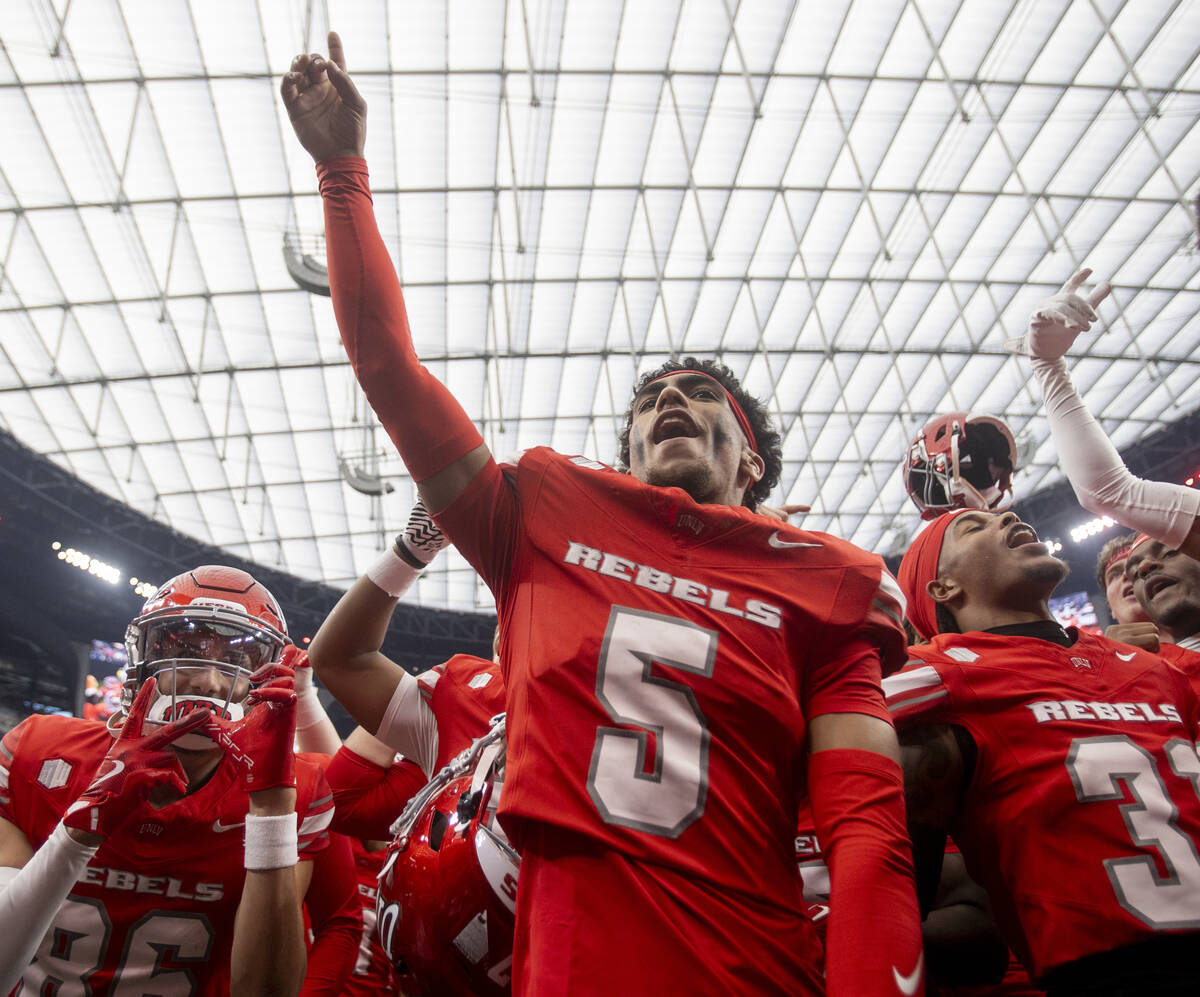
202,635
448,889
961,461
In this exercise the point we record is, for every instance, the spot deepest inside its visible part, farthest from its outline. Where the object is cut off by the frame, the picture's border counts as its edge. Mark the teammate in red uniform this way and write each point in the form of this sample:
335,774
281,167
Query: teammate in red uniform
1063,764
429,719
1166,583
679,670
124,869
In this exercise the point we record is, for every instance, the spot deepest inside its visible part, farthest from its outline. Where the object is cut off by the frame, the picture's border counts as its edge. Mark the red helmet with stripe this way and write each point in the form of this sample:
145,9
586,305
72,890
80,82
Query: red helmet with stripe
202,635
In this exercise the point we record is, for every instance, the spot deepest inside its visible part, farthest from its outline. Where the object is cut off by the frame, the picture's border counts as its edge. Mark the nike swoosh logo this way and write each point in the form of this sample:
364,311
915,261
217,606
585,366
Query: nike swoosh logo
779,544
117,769
910,984
1126,657
219,827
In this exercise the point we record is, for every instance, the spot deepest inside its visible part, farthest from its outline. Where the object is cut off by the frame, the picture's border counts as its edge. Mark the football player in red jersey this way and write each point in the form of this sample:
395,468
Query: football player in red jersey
1167,584
122,862
1063,764
430,719
679,670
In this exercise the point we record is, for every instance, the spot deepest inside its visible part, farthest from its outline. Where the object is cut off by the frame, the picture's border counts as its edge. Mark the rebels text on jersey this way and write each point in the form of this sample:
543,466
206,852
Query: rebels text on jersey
661,660
1082,815
157,901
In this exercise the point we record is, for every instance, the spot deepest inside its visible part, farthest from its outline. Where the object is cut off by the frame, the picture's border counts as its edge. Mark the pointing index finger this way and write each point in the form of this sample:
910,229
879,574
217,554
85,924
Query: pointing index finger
337,54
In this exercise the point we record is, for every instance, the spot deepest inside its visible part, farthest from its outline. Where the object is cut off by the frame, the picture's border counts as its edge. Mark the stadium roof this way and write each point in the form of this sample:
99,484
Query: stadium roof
853,203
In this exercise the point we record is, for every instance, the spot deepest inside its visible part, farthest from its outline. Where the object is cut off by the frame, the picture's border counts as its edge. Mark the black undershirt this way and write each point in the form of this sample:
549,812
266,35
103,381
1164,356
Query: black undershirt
1041,629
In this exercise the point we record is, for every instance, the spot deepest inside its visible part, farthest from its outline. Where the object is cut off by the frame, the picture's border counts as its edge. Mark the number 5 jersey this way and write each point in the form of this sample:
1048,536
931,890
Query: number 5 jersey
662,660
1081,818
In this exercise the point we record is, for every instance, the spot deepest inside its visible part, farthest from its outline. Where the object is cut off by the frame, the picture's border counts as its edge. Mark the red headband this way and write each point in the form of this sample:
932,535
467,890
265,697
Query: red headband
918,568
1138,541
1120,554
738,412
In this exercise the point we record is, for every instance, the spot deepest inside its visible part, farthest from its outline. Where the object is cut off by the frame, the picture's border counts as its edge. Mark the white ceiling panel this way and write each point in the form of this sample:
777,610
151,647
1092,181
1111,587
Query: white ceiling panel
853,203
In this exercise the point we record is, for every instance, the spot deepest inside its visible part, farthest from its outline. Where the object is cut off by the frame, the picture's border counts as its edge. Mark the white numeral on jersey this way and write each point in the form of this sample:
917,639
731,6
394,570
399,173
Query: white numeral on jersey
1099,766
174,939
670,795
71,951
77,942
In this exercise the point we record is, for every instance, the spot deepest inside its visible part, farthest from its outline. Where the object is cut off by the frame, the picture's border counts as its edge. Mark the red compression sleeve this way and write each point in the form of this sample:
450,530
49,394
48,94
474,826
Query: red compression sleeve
369,797
428,426
873,944
335,911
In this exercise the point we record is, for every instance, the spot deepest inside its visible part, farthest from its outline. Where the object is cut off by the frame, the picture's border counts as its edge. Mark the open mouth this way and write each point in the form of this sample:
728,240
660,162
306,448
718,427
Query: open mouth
1020,535
1156,583
674,425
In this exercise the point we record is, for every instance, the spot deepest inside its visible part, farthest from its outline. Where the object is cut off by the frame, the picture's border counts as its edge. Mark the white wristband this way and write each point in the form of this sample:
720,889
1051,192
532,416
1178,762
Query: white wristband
271,842
392,573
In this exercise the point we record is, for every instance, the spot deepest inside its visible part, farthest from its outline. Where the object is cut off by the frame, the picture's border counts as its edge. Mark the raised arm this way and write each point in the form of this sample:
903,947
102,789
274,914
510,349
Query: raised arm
1103,484
345,653
432,433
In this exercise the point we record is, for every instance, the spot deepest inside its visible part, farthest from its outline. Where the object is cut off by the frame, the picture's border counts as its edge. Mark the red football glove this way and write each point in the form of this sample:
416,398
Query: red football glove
260,745
134,768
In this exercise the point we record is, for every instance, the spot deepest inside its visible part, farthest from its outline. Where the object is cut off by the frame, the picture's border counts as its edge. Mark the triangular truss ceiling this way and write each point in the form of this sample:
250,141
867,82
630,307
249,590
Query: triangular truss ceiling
853,203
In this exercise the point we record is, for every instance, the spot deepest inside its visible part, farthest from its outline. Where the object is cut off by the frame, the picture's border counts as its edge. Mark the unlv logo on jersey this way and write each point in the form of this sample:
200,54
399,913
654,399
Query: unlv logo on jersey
1082,664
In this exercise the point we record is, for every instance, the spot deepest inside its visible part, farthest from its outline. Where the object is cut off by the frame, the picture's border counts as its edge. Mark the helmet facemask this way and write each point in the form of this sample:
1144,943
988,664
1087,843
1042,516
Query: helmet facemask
964,463
202,658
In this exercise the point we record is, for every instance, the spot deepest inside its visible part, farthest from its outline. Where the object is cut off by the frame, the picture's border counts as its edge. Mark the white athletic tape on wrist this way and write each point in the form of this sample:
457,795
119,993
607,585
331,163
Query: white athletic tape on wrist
271,842
309,711
392,573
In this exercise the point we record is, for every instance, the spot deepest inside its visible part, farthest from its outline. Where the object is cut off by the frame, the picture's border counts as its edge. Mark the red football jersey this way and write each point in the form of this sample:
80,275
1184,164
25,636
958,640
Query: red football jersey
373,970
1186,660
156,903
814,873
1082,814
661,660
464,694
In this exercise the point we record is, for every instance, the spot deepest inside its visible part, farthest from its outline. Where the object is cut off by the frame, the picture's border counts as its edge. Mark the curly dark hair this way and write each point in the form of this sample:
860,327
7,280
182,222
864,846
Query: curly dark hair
770,444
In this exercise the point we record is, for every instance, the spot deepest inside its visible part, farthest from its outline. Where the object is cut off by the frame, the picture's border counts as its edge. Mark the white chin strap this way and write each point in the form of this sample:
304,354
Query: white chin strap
166,708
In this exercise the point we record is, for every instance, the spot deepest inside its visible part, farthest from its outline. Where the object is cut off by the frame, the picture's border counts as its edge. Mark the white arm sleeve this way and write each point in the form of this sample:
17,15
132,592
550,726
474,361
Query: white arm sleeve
30,897
314,729
1102,482
409,726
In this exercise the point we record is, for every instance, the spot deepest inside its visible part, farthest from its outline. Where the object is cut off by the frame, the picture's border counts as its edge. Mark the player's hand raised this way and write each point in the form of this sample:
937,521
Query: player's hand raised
422,537
260,745
1058,320
137,767
327,112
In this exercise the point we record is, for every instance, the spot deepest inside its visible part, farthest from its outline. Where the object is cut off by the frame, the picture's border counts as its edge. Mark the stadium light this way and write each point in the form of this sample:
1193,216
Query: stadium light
1053,546
1085,531
85,562
144,589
